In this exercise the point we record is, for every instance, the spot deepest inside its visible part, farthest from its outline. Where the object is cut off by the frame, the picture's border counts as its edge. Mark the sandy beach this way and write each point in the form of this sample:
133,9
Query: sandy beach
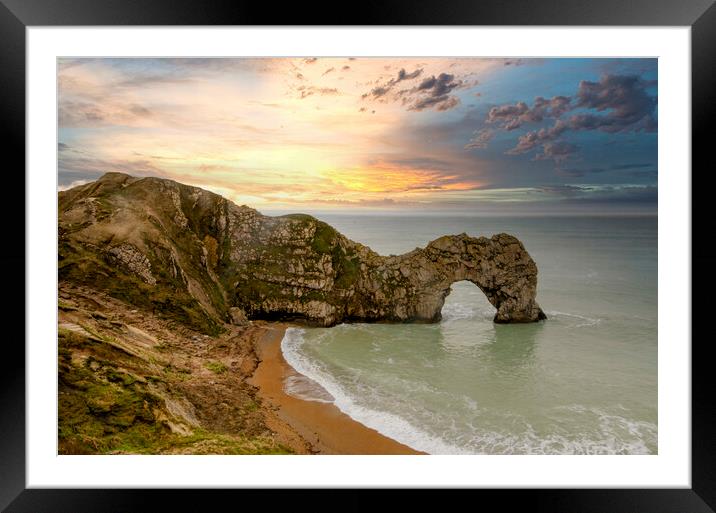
322,425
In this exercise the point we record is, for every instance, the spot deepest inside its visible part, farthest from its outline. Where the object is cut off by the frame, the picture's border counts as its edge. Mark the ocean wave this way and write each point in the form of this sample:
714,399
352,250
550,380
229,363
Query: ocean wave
457,311
595,431
531,442
302,387
461,311
574,320
609,433
386,423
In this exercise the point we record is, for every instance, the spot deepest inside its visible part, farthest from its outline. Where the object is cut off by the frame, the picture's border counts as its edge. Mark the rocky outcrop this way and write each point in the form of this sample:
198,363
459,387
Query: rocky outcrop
195,255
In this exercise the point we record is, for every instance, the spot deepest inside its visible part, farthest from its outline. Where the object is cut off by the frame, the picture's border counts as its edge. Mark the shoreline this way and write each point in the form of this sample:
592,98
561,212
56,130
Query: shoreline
322,425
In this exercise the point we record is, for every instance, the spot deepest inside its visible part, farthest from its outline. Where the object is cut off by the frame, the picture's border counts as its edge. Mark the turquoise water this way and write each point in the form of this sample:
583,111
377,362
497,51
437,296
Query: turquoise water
582,382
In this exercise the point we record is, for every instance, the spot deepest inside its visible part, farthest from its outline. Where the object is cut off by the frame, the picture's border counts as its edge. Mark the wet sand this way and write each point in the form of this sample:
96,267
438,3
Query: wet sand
323,425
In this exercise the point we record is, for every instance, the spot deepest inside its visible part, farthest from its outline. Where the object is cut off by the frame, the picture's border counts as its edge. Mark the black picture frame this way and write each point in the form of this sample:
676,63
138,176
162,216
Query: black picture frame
16,15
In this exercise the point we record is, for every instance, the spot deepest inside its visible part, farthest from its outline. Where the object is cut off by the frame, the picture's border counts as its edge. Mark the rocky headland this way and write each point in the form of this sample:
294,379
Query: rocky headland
165,291
193,255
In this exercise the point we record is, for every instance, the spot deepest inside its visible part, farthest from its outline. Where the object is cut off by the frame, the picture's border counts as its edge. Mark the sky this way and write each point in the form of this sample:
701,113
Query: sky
371,134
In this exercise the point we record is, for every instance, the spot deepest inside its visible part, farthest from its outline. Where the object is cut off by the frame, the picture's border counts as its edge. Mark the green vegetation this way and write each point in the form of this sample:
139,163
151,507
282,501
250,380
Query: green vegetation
347,266
105,407
216,367
84,266
299,217
65,306
324,238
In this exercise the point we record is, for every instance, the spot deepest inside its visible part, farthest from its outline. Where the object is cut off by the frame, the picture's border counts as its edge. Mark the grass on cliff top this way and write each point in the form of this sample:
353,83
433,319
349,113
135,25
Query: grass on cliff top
83,266
105,409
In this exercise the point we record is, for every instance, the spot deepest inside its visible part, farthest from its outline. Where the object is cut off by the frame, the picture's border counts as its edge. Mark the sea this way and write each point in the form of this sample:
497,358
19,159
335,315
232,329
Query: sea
582,382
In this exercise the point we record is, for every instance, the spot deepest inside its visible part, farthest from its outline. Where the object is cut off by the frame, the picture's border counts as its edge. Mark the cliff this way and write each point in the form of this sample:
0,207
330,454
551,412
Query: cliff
194,257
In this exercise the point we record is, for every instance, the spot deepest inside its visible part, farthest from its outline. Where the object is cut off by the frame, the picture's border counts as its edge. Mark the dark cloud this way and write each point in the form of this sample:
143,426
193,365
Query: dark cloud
510,117
531,140
431,93
434,92
404,75
624,97
558,151
381,90
618,103
441,103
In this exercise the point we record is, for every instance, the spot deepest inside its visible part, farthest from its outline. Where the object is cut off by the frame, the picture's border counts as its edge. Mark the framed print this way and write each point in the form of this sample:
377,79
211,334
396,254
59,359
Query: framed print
445,249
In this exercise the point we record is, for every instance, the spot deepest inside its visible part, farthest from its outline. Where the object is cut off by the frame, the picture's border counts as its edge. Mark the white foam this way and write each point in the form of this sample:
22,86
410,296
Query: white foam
586,321
302,387
610,433
386,423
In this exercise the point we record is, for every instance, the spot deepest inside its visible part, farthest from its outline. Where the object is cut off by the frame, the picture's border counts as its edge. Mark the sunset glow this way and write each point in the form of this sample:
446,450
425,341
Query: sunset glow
318,133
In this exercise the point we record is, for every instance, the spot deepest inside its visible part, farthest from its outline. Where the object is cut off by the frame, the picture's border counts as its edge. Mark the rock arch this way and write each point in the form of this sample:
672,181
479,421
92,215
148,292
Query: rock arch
500,266
209,261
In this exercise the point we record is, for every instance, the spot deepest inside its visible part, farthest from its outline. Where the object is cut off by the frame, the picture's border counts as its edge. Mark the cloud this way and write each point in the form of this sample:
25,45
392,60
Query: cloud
625,98
381,90
639,167
602,194
306,91
510,117
87,165
531,140
75,183
87,113
441,103
557,151
618,103
434,92
480,139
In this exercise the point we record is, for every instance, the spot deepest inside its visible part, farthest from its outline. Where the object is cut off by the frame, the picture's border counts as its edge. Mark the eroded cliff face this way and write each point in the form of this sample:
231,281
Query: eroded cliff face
196,257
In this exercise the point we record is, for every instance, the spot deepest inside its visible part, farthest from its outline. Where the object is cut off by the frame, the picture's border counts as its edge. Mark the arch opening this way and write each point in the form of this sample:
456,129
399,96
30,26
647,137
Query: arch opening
465,300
